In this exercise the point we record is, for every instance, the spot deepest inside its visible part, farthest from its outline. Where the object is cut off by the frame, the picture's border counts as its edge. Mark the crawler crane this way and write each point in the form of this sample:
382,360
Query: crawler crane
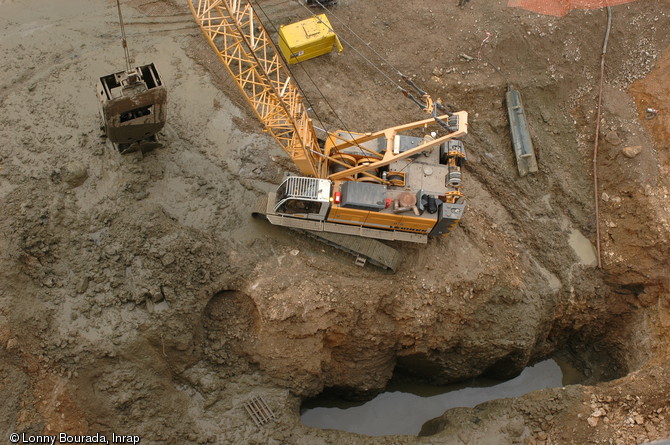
355,188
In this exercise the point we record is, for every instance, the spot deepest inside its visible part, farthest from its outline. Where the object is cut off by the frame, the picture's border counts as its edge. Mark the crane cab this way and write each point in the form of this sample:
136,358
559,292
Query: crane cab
133,107
301,197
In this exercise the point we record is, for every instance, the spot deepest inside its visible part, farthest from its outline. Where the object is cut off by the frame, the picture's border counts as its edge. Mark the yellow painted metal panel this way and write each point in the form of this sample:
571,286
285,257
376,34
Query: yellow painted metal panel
307,39
379,220
382,219
347,216
416,223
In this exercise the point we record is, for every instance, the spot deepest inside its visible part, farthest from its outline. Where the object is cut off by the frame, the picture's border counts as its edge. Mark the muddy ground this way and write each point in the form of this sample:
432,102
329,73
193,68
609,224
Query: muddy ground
138,296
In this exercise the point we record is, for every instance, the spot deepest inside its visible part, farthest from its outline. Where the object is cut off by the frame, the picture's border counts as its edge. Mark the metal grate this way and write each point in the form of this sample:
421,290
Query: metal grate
300,187
259,411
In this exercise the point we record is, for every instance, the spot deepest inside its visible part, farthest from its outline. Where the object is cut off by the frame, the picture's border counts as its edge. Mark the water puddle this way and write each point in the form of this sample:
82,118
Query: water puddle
404,407
554,282
583,248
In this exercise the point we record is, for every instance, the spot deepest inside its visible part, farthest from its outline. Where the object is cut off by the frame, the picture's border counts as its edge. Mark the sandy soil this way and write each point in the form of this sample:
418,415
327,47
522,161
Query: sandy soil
138,296
562,7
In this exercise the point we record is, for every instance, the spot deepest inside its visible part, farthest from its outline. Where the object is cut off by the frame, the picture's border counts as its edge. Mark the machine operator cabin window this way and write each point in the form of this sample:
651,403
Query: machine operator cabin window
297,206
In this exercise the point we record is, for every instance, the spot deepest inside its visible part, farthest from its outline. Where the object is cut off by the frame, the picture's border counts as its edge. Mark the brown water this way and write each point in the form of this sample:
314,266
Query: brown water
583,248
404,407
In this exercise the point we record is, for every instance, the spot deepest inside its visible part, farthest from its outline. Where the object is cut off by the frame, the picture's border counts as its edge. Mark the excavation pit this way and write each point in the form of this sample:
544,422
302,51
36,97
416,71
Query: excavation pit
406,405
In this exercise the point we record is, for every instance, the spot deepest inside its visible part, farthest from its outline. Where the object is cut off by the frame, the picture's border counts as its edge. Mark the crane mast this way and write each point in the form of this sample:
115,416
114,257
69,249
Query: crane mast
246,50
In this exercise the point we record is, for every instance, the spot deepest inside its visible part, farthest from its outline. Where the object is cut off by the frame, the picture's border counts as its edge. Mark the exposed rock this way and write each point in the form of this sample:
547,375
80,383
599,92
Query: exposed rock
167,259
12,343
613,138
651,430
600,412
75,174
82,286
631,151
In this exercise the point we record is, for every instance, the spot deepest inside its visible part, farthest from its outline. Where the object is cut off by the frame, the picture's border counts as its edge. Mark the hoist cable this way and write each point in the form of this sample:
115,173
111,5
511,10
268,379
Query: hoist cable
124,42
360,38
372,64
337,116
396,84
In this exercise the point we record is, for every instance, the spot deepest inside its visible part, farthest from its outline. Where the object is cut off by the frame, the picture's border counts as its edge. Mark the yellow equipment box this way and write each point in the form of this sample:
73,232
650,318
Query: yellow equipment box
307,39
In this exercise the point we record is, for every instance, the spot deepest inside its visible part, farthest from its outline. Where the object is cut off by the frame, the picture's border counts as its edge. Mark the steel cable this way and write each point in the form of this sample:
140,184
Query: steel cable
597,137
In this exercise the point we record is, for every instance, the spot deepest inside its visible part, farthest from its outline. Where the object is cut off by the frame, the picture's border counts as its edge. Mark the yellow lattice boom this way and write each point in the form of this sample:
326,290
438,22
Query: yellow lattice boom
246,50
